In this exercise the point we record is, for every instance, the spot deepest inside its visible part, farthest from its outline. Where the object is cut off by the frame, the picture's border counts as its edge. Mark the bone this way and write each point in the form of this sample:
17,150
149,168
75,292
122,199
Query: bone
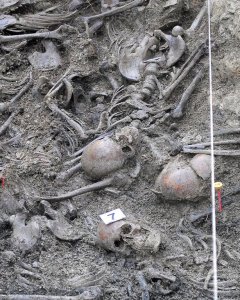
7,105
49,60
197,20
116,180
4,127
168,91
59,225
91,293
216,143
176,45
131,61
113,12
44,20
86,280
55,34
216,152
75,125
143,286
86,189
192,55
178,112
65,175
24,237
106,69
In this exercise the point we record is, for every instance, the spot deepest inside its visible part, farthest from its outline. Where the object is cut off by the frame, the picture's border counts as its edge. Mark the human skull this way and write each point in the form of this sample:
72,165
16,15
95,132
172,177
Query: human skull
122,236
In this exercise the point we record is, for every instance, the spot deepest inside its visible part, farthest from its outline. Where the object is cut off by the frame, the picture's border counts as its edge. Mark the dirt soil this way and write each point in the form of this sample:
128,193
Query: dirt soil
54,249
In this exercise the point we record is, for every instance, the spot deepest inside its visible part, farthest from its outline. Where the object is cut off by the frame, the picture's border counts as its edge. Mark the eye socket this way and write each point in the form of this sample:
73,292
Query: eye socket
126,228
126,149
119,243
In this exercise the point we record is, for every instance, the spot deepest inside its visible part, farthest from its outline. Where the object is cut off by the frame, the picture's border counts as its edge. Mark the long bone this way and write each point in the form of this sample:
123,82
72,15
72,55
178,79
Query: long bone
93,293
168,91
178,112
117,180
4,127
55,34
113,12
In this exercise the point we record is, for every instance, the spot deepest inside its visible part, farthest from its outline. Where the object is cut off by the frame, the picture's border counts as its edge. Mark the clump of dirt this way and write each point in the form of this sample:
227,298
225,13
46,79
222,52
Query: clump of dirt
50,246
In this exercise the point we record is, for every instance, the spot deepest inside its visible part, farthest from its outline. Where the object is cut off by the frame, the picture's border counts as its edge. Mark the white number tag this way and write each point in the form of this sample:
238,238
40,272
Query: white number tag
112,216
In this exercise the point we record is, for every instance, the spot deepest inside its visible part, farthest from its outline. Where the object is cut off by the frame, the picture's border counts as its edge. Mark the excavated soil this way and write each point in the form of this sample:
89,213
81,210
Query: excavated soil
38,143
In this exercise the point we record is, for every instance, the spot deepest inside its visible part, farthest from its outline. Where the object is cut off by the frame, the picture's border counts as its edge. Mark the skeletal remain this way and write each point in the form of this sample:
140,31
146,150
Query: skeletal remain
37,21
4,127
55,34
104,156
8,105
184,72
201,164
131,61
178,181
113,12
49,60
124,235
65,175
91,293
71,122
143,286
59,225
91,279
176,44
216,152
24,237
106,69
197,20
178,112
116,180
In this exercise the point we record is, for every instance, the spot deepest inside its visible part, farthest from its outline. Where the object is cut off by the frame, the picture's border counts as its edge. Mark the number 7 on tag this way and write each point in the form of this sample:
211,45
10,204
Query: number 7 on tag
112,216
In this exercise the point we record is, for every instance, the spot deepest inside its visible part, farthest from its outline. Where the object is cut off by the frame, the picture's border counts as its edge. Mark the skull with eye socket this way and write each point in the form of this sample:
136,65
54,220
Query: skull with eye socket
107,155
124,236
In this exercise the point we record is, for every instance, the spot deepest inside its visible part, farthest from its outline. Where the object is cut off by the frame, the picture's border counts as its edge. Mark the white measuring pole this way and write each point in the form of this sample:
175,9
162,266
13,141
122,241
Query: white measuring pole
214,234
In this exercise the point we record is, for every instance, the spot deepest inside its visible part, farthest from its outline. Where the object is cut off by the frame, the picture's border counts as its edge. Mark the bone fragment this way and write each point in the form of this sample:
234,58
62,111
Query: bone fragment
24,237
49,60
59,225
179,110
4,127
